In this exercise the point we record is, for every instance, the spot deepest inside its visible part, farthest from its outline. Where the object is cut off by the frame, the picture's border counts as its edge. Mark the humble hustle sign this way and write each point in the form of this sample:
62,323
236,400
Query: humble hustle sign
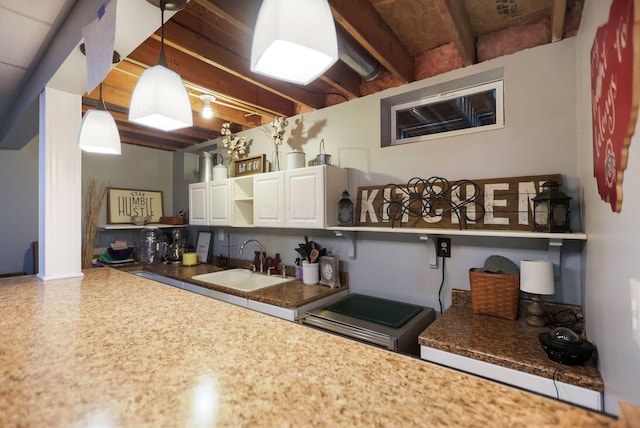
496,204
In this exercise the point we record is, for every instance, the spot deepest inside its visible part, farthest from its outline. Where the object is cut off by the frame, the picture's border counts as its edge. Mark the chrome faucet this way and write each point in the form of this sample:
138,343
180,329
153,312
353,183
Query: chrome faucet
262,252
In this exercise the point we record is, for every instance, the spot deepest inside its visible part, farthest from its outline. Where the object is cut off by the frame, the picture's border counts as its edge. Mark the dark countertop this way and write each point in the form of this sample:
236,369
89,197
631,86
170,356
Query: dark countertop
292,294
508,343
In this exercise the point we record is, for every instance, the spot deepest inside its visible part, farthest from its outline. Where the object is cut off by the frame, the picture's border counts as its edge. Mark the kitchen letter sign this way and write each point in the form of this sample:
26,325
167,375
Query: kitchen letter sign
614,96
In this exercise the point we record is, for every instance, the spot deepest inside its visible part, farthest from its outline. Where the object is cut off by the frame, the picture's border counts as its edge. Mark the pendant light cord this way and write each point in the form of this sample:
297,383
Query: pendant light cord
162,60
101,104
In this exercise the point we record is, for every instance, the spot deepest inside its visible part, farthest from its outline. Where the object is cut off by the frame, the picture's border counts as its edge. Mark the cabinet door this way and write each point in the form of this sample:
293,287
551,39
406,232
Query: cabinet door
219,202
268,199
305,202
198,204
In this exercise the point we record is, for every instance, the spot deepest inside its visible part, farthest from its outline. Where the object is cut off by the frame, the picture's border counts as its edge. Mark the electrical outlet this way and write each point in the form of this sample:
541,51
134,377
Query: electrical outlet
444,247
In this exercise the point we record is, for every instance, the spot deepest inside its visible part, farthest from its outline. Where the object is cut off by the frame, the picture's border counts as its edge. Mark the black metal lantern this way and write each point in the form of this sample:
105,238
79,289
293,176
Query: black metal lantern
551,209
345,210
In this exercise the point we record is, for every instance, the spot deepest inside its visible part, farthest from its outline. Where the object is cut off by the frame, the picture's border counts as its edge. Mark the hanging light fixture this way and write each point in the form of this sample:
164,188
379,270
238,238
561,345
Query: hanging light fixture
98,131
294,41
160,99
207,110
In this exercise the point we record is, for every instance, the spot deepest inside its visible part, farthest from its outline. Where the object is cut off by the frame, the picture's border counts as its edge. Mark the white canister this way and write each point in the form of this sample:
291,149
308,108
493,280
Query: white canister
295,160
310,273
220,172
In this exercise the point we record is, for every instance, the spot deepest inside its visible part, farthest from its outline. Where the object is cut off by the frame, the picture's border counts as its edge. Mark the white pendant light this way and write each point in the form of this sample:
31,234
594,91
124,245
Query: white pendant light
98,131
160,99
207,110
294,41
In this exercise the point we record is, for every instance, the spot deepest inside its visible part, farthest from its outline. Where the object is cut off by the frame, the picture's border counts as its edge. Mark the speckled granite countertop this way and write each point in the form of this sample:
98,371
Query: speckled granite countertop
509,343
113,349
292,294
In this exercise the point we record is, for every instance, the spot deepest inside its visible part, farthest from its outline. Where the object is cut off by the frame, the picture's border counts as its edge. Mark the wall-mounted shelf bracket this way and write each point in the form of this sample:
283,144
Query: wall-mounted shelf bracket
555,248
432,259
351,237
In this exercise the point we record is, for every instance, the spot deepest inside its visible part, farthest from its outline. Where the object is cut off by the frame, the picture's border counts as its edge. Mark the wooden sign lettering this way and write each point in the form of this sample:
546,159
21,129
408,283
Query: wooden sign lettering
248,166
497,204
122,204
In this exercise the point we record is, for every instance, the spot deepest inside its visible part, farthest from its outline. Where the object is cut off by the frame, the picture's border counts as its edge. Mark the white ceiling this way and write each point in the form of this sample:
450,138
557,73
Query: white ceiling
39,48
26,28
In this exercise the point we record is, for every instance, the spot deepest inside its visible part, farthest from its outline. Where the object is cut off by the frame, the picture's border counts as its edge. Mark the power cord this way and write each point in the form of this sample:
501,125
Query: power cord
562,318
441,286
555,374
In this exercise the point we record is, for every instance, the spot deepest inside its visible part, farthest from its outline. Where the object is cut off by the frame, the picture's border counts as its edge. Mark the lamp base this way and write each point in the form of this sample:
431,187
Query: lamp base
536,312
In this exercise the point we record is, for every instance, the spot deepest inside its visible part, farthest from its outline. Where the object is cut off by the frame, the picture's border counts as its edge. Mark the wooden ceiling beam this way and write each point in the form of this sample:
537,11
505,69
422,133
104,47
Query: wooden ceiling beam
558,11
367,28
150,143
241,15
458,26
341,78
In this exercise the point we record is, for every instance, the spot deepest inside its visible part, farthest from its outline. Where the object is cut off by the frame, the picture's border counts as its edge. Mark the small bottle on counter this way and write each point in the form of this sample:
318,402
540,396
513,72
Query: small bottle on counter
298,270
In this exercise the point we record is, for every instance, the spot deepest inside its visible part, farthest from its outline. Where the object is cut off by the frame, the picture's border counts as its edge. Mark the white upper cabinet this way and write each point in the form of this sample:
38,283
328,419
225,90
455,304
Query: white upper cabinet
305,198
268,199
198,204
219,197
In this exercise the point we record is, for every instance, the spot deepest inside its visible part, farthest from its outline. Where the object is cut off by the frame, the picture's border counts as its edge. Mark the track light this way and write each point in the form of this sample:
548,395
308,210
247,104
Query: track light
207,110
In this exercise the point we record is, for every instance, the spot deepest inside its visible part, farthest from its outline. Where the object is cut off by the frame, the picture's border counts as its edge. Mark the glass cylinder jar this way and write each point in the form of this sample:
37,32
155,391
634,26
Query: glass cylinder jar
151,246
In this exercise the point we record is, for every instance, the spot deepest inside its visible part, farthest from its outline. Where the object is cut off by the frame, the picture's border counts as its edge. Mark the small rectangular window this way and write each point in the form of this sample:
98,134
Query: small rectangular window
458,107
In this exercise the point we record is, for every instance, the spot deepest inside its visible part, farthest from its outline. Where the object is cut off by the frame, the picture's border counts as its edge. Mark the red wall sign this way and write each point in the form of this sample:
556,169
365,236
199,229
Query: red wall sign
614,97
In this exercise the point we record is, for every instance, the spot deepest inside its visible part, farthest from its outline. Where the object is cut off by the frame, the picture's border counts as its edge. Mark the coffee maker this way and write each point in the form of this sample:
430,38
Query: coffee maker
176,248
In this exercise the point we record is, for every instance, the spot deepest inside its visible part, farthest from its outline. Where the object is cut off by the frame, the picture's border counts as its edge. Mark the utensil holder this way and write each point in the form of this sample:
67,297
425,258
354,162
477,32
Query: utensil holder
310,273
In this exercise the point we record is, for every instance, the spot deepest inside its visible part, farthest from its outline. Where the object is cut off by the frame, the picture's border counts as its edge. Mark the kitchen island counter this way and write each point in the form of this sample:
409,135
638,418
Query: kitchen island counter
113,349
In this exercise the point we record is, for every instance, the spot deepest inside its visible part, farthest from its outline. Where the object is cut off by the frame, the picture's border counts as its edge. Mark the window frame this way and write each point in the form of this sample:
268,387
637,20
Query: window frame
491,80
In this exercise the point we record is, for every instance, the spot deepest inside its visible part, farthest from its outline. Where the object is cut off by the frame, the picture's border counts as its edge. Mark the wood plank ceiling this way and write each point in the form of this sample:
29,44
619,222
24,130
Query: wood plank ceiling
388,42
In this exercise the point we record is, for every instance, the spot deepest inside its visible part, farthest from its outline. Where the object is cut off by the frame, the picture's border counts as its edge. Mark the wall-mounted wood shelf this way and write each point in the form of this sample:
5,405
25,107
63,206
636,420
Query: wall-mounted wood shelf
134,226
555,240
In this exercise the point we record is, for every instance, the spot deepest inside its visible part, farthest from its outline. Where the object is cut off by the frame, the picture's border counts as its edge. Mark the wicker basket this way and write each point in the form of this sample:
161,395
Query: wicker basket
495,294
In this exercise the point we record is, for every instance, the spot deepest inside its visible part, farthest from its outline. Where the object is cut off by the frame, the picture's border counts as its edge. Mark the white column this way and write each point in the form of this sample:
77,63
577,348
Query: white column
59,186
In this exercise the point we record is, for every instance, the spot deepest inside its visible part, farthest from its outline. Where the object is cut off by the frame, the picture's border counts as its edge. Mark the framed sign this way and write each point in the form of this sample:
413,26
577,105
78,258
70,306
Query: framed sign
248,166
615,70
122,204
203,246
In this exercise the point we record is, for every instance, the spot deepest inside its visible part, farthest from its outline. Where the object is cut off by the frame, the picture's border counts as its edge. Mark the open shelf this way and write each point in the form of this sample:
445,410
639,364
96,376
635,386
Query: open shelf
429,236
134,226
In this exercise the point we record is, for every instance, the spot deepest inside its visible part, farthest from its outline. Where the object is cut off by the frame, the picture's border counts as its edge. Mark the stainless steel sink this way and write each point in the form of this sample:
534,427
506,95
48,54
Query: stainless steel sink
240,279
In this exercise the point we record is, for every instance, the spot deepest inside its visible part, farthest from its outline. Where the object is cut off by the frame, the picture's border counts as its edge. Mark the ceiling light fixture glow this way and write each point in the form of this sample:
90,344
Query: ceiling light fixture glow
160,99
207,110
98,131
294,41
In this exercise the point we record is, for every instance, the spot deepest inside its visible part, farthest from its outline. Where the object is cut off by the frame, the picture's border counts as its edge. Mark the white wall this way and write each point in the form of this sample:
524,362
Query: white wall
18,207
613,245
539,138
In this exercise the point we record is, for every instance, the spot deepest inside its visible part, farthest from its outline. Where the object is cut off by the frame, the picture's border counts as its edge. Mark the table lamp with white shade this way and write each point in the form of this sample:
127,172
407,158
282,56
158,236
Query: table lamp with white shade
536,278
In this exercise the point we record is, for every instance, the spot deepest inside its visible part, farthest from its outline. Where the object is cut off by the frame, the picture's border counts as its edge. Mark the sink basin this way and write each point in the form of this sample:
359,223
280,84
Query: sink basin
240,279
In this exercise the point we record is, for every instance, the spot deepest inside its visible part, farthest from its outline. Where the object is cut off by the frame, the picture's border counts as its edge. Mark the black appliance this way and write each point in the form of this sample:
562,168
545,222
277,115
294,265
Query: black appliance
380,322
563,345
